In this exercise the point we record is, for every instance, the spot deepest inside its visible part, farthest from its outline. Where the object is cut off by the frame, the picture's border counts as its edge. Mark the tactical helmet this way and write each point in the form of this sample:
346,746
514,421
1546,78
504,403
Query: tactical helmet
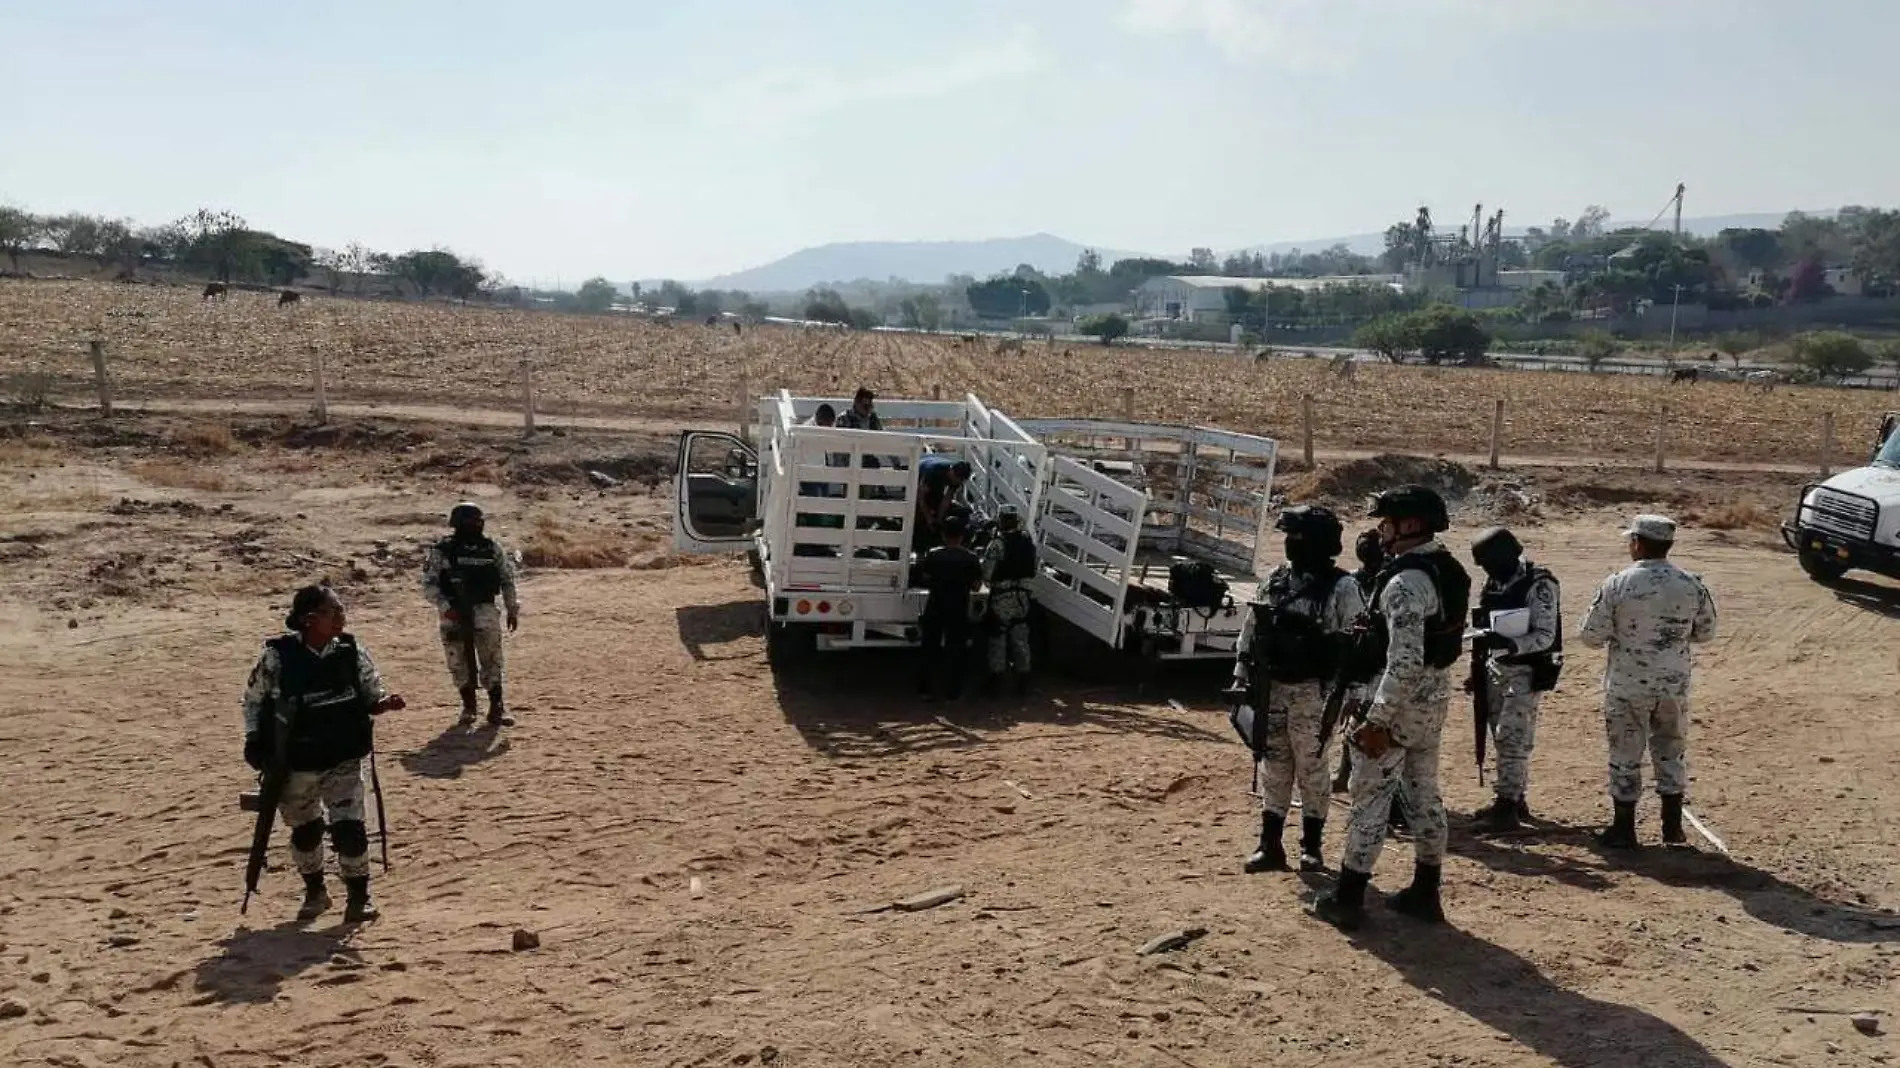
1008,517
465,512
1497,543
954,524
1314,528
1412,502
1369,549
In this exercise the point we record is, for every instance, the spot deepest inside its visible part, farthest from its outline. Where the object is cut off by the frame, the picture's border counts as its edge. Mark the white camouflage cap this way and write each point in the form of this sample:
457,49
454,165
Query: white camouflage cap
1652,528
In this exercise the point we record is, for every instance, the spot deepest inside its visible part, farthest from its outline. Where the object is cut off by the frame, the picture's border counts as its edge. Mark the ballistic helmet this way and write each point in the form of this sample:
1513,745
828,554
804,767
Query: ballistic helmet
1412,502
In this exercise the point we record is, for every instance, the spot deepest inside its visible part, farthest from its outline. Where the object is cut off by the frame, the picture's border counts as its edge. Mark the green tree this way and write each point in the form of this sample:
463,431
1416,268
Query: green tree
73,235
19,230
1831,354
1449,335
1596,347
597,295
1752,249
826,306
1106,328
1007,296
921,311
1890,353
1202,260
1876,255
218,243
1736,344
1389,335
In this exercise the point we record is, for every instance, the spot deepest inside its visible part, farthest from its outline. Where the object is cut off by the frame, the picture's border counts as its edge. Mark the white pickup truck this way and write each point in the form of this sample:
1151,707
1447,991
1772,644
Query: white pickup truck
1852,520
828,516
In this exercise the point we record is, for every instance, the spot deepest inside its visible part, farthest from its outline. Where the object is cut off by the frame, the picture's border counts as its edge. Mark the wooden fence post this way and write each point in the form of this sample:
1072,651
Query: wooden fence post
101,377
527,396
1827,444
321,387
1662,421
745,410
936,392
1128,415
1497,432
1306,430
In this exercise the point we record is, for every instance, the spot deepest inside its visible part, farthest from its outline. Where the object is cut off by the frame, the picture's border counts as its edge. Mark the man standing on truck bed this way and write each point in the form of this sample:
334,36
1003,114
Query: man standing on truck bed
939,480
462,576
1647,615
1417,624
862,415
950,574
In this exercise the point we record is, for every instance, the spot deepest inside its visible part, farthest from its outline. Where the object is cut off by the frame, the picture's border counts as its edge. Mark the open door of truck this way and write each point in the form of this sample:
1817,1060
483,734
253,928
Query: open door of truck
1088,527
716,494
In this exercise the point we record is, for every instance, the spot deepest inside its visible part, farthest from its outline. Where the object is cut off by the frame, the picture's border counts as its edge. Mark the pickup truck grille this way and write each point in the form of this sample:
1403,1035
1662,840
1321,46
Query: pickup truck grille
1843,515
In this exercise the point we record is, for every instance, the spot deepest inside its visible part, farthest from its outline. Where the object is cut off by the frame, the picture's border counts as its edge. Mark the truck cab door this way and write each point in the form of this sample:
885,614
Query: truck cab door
716,494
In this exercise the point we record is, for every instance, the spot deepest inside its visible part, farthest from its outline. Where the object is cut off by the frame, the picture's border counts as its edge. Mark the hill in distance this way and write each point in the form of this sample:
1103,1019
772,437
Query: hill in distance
929,262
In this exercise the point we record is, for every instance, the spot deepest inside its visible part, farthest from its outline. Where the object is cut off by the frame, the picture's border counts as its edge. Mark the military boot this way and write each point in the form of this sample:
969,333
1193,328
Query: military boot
316,900
1345,906
1500,816
1523,811
468,707
1271,856
1420,900
1312,831
357,907
1672,820
498,713
1620,834
1022,684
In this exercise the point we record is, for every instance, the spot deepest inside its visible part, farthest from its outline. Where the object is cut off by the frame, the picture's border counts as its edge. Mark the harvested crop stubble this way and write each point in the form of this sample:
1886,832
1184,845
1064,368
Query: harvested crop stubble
166,342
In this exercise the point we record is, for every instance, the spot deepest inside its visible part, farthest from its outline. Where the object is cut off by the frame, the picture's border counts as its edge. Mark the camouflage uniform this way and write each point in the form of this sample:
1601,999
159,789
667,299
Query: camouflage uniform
1514,705
1411,701
1010,601
1295,710
488,621
1648,615
310,796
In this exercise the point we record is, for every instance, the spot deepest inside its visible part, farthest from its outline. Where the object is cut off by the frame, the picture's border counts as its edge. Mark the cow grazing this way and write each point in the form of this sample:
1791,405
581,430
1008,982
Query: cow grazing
1010,344
1685,374
1766,381
288,296
735,327
216,291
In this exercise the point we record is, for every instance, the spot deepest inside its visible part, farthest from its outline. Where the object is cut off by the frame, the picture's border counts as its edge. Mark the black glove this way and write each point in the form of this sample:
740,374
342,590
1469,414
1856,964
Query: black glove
256,751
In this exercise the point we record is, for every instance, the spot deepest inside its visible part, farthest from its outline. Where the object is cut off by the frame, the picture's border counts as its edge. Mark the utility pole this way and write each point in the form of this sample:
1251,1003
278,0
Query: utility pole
1672,319
1679,191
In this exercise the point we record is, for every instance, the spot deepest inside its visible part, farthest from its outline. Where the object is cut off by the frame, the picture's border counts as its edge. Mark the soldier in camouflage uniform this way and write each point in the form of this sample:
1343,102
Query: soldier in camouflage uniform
1517,671
1418,620
465,572
1648,615
1287,660
1009,563
318,683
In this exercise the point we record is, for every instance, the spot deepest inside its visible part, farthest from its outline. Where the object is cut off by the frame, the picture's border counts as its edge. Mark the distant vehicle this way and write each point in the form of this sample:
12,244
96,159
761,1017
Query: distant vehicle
1852,521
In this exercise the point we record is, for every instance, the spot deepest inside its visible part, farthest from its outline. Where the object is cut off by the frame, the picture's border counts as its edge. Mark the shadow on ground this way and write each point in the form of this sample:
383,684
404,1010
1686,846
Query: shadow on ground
701,626
456,749
253,964
1505,992
1868,596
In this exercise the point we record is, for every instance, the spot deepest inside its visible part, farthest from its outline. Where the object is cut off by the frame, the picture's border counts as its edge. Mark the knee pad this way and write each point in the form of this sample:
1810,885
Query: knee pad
350,837
307,836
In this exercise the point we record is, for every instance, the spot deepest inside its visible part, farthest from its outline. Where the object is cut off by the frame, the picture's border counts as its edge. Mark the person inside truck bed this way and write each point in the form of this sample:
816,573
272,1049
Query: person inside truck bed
939,479
862,414
826,415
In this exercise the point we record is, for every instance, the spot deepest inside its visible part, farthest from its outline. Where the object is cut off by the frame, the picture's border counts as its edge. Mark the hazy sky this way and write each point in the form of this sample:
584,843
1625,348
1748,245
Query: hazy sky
639,139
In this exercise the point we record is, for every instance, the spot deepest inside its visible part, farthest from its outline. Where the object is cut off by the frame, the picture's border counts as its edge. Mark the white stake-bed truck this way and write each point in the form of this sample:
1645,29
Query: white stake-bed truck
829,515
1853,519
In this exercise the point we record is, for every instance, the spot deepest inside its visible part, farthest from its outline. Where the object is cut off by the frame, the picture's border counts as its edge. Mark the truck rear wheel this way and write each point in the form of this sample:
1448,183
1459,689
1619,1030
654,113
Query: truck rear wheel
1821,568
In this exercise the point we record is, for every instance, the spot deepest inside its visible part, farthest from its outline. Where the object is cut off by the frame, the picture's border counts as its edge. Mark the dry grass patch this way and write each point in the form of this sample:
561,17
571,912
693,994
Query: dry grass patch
28,451
554,544
179,474
1733,515
204,439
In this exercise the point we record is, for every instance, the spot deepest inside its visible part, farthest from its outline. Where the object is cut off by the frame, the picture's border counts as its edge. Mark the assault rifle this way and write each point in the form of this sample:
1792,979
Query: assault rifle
1344,677
1480,689
270,790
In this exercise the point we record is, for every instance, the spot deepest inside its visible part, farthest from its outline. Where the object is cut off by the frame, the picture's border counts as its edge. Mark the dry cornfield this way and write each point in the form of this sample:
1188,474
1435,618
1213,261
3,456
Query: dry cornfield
166,343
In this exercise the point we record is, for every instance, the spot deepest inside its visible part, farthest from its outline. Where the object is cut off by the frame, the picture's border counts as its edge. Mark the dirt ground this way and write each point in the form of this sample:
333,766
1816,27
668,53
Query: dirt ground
697,841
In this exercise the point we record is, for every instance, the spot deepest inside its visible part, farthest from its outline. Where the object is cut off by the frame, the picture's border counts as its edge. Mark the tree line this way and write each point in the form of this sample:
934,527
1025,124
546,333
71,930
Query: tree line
222,246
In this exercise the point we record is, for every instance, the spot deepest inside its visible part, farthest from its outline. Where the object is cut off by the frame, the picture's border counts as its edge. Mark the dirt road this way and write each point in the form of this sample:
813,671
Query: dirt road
698,840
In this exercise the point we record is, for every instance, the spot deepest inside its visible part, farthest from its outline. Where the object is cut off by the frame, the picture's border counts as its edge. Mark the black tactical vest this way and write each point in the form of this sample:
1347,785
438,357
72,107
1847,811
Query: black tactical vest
1444,631
1019,558
1545,666
474,569
321,698
1290,642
